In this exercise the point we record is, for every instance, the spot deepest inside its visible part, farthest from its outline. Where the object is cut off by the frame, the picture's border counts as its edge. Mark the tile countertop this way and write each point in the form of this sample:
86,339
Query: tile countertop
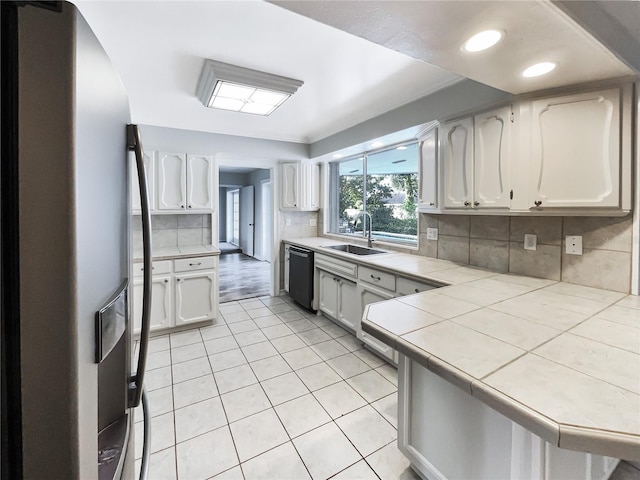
172,253
561,360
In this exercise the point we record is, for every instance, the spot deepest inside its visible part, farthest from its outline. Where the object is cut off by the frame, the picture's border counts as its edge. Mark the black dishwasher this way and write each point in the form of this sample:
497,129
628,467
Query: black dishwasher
301,276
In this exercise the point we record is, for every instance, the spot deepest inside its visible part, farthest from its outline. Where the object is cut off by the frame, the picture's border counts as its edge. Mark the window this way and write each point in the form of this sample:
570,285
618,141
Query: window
382,183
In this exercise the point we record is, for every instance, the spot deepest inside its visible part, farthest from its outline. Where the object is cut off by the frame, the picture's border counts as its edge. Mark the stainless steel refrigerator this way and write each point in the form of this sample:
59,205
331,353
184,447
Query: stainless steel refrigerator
68,390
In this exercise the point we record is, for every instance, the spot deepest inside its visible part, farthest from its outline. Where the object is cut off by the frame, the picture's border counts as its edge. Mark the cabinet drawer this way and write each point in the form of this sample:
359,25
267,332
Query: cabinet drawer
376,277
195,263
405,286
336,266
161,267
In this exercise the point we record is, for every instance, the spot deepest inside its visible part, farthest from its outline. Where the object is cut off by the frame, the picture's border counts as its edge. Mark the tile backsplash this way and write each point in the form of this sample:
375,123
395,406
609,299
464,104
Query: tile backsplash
296,224
497,242
174,230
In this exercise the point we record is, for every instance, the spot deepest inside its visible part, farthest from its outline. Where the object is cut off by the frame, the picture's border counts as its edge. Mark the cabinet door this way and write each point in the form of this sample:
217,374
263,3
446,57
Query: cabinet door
172,182
286,269
349,312
457,163
310,186
196,299
199,182
161,303
289,197
491,159
429,171
576,151
149,165
328,293
370,294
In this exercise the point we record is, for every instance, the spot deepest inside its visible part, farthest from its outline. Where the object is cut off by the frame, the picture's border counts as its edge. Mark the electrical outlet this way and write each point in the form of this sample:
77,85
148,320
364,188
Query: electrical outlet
530,241
574,245
432,233
287,222
313,222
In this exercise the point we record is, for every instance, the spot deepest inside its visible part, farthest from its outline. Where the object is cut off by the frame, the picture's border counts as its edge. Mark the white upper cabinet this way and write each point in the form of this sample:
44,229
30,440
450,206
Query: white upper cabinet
149,165
290,173
491,185
199,182
457,163
300,186
575,151
172,181
429,171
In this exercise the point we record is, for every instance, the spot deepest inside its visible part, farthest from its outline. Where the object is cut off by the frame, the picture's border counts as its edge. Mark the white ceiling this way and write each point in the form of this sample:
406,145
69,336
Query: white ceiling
159,47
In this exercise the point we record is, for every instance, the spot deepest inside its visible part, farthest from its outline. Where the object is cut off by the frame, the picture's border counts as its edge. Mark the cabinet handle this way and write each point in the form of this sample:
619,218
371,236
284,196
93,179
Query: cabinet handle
189,206
377,279
537,203
178,279
466,204
416,290
195,264
475,204
181,206
166,280
431,204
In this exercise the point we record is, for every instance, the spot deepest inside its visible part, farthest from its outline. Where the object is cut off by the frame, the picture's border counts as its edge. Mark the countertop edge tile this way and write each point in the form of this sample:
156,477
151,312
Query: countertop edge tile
450,373
380,333
530,419
209,252
600,442
414,353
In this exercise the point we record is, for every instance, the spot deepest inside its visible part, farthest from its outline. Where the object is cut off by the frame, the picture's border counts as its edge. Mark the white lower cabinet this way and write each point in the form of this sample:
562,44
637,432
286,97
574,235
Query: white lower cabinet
328,293
184,291
349,312
449,435
370,294
161,302
195,297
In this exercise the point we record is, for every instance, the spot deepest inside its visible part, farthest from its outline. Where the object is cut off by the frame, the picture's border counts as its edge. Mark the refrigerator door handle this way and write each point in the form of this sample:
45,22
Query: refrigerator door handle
146,445
136,383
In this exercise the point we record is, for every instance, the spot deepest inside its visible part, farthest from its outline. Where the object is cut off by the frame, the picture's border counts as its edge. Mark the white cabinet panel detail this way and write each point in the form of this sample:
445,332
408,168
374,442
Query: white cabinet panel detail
491,159
195,298
172,182
429,171
458,163
199,182
576,150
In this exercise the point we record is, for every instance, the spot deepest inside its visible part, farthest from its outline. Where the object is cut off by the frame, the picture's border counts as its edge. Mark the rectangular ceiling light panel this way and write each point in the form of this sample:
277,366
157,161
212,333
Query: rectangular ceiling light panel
229,87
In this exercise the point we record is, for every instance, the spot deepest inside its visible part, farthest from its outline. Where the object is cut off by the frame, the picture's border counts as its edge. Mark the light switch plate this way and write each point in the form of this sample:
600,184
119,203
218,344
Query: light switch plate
574,245
432,233
313,222
530,241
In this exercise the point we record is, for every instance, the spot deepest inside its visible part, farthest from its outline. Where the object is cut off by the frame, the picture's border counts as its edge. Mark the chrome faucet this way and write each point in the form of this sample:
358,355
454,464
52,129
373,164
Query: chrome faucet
358,215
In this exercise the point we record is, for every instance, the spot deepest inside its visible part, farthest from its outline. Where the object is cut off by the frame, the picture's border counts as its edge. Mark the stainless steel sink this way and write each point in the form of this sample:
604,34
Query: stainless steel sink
355,249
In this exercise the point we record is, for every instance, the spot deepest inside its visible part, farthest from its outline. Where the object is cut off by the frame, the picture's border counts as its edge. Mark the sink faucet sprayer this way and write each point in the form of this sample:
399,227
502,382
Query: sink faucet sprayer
362,213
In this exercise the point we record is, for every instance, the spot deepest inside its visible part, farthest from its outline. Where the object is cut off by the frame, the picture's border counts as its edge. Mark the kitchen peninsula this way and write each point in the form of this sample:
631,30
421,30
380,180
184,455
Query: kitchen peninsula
522,374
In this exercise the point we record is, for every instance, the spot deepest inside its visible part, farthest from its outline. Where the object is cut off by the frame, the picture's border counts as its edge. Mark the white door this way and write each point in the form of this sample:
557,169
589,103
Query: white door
199,182
576,150
195,297
247,219
267,220
235,217
289,187
161,302
429,170
172,182
149,165
327,293
349,312
458,163
491,159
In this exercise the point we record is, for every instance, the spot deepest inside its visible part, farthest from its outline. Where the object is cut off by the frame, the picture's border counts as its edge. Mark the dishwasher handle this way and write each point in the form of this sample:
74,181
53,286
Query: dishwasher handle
300,252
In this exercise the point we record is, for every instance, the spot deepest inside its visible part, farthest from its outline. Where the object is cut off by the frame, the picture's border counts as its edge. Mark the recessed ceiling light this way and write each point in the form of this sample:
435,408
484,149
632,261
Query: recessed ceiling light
230,87
401,148
539,69
483,40
337,155
377,145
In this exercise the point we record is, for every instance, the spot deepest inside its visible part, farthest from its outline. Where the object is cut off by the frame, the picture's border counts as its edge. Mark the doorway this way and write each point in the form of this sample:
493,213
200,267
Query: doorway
245,232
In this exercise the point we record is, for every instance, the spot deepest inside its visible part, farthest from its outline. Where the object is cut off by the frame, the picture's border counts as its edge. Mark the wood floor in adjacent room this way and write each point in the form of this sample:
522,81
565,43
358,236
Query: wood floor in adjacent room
242,276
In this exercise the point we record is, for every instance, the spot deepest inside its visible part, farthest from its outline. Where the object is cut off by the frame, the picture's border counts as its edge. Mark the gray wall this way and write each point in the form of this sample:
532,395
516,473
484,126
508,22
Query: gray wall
233,179
176,140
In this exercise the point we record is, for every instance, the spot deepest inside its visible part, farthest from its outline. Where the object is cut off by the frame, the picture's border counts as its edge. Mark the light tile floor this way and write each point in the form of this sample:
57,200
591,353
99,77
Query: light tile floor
271,392
274,392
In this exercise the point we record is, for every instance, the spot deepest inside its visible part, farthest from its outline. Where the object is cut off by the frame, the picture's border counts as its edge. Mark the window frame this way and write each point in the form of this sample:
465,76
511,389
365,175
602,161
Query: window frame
334,201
